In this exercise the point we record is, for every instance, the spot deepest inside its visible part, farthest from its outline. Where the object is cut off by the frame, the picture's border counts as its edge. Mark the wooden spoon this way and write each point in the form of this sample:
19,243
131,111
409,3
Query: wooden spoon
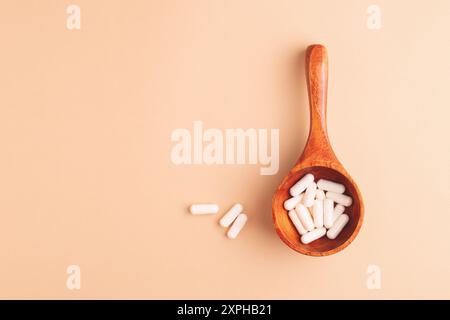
319,159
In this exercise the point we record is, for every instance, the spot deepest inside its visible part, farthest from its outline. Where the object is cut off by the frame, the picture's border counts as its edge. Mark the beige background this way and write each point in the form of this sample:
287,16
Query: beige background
85,123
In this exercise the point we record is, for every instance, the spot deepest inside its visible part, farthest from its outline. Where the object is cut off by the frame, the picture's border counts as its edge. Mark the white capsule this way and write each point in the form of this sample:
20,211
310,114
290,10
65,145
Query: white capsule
320,195
310,193
301,185
318,213
305,217
237,226
204,208
297,223
328,208
338,210
229,217
343,199
328,185
291,203
313,235
338,226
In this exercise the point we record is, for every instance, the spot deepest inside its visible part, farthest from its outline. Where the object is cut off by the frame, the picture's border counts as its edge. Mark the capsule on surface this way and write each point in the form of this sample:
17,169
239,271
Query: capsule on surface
204,208
237,226
231,215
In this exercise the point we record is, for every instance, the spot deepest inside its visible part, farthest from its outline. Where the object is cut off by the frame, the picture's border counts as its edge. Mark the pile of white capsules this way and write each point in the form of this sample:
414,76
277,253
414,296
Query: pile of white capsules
312,211
233,217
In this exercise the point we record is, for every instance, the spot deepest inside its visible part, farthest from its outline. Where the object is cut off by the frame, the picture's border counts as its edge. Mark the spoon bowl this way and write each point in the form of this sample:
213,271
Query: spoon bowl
318,159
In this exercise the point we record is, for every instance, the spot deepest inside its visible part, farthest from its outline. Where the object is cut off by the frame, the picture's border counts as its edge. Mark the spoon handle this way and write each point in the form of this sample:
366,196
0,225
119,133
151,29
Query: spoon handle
318,145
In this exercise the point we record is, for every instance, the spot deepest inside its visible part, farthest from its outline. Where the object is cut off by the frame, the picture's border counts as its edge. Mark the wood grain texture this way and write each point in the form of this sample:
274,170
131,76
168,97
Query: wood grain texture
319,159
